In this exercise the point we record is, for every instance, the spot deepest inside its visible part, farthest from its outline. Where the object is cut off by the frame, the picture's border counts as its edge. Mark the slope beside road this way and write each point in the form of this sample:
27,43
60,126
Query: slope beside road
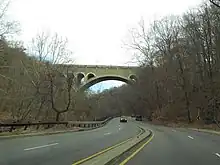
64,148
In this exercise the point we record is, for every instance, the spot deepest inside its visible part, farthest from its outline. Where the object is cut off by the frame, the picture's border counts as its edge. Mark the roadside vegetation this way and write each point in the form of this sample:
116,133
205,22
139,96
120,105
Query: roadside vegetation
178,81
35,81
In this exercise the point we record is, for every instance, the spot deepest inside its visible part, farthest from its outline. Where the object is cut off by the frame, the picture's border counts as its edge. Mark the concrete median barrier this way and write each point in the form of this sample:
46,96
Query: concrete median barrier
112,154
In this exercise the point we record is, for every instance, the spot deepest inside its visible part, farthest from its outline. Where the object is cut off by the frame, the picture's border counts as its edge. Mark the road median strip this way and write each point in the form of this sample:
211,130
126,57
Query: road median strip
127,155
143,143
109,155
103,151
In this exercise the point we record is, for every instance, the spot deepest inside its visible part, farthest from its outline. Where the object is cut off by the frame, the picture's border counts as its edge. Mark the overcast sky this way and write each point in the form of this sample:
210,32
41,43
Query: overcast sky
95,28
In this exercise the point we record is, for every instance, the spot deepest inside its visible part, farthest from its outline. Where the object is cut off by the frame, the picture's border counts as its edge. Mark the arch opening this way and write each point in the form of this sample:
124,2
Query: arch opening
80,76
133,78
90,75
105,78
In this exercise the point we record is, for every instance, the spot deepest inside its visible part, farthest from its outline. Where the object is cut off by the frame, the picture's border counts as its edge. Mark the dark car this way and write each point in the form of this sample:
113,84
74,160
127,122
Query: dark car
123,120
138,118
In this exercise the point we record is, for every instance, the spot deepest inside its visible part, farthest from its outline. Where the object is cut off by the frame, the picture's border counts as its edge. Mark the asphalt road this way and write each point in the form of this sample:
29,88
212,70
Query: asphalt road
170,146
63,149
179,147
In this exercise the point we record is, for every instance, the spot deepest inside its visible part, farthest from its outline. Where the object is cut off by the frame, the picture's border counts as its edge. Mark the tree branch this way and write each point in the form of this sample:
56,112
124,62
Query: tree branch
215,2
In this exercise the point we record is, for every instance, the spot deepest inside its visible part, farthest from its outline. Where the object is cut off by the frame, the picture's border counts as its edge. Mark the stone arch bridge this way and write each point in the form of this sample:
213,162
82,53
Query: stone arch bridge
87,75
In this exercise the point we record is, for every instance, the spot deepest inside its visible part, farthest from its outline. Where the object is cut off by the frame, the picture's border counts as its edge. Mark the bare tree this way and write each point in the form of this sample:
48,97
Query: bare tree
215,2
184,52
7,27
58,82
143,44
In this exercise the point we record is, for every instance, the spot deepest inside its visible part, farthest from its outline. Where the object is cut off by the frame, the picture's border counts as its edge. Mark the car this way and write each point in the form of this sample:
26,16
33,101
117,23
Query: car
138,118
123,120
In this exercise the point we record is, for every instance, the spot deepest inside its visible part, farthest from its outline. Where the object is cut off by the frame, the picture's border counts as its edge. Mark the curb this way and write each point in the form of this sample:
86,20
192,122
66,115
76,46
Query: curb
206,131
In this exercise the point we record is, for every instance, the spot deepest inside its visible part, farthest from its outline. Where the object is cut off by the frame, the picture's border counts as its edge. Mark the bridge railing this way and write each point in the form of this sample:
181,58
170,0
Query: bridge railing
10,127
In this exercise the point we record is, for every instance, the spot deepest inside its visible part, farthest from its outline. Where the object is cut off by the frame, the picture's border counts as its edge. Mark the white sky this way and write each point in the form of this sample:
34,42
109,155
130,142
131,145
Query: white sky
95,28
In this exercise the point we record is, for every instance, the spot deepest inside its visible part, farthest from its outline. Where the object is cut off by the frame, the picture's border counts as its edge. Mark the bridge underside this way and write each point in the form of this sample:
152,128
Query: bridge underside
96,80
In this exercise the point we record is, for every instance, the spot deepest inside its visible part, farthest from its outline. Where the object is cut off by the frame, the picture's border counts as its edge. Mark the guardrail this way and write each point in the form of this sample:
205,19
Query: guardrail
9,127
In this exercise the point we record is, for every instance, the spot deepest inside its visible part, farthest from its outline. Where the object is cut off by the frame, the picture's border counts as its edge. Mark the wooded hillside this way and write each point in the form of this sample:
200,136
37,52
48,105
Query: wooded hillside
180,79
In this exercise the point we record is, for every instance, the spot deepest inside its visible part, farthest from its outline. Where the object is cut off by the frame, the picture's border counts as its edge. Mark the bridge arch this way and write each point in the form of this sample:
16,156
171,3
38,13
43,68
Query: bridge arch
90,75
79,77
96,80
133,77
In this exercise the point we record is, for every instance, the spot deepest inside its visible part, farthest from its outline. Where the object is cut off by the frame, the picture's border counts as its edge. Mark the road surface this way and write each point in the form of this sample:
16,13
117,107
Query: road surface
64,149
168,147
179,147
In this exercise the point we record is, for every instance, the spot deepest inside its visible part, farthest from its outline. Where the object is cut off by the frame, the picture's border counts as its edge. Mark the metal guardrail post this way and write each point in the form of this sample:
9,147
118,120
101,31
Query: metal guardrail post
11,129
25,127
38,125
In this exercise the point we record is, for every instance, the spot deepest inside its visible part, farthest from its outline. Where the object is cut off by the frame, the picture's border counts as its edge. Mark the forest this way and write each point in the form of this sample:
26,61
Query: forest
178,80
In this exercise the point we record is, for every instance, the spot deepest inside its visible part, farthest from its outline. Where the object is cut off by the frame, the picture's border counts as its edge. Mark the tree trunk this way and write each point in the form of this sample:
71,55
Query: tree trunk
188,108
184,86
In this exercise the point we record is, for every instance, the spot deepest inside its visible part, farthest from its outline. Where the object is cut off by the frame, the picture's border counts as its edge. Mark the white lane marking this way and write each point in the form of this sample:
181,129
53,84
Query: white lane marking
173,130
43,146
217,154
107,133
119,126
190,137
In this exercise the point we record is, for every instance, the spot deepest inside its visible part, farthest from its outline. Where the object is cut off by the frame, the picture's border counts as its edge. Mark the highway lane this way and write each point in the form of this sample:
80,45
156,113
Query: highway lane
172,146
63,148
